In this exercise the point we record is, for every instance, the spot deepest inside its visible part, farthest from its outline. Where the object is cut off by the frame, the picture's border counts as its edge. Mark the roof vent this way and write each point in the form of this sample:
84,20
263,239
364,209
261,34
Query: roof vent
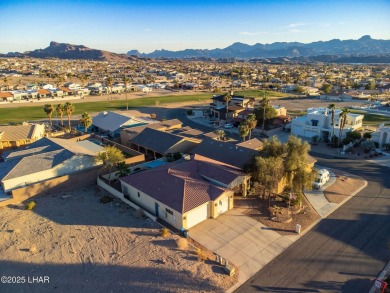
105,113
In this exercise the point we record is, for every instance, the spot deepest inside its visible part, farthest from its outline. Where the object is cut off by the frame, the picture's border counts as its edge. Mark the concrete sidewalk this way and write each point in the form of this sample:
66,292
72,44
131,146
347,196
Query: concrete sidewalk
317,198
241,240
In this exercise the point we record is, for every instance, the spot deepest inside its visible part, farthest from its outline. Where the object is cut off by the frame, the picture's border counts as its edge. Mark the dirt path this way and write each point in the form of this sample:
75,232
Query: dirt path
85,246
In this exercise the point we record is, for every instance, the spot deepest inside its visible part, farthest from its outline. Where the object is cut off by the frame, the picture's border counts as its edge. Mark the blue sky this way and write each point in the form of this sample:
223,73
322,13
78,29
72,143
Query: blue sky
120,26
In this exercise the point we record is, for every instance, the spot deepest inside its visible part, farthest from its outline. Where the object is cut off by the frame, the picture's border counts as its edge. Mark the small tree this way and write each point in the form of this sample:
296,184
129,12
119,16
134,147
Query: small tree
123,169
110,157
86,120
220,133
367,135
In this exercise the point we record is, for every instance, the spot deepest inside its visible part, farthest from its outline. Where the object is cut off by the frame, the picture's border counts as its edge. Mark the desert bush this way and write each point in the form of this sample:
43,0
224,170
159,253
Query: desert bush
106,199
202,255
30,205
182,243
165,232
33,249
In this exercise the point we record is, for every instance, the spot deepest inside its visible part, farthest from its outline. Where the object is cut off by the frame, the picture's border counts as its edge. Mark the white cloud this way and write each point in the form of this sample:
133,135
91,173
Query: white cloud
252,33
295,31
291,25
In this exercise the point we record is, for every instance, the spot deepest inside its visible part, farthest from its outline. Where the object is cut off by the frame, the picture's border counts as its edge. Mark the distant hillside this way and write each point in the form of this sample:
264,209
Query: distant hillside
69,51
365,46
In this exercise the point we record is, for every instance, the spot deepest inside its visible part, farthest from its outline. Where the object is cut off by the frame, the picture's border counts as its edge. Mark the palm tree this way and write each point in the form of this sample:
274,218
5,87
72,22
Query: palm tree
227,99
69,109
48,108
251,122
109,81
126,80
332,107
343,120
86,120
264,104
60,111
243,130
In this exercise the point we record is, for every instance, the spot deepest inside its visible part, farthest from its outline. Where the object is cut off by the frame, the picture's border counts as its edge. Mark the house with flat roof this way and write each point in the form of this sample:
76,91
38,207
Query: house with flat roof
381,135
318,121
185,193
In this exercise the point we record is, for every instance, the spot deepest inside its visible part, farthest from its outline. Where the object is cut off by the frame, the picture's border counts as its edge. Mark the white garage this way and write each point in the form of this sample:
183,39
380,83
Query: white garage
223,205
197,215
309,133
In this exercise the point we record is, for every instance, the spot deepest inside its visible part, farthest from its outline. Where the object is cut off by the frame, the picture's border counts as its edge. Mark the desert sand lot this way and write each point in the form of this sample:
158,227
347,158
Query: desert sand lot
83,245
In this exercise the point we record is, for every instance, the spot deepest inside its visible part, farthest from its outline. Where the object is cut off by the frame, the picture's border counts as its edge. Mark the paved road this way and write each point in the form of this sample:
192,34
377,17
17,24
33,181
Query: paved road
345,251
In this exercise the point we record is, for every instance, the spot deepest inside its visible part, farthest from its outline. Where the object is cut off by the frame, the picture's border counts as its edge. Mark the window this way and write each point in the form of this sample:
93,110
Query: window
169,211
139,194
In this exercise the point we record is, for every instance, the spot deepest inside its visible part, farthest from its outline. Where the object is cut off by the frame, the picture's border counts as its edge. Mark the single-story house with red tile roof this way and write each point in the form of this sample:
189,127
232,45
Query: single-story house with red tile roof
43,93
6,96
185,193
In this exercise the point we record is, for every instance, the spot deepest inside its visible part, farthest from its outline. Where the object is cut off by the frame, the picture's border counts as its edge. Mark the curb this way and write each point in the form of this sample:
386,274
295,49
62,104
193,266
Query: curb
381,277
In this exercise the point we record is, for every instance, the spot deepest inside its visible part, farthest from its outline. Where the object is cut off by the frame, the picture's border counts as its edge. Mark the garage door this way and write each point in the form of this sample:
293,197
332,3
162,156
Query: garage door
223,205
310,133
197,215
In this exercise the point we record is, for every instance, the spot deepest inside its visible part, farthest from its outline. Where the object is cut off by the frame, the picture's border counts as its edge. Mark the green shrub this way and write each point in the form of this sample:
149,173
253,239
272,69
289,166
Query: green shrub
30,205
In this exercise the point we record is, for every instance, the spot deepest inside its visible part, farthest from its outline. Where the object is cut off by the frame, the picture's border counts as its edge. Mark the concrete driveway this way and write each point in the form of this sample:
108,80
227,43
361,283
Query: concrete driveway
241,240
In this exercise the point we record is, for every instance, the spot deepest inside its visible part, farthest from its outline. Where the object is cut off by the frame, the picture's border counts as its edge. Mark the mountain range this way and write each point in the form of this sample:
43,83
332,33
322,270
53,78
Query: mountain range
363,50
363,47
69,51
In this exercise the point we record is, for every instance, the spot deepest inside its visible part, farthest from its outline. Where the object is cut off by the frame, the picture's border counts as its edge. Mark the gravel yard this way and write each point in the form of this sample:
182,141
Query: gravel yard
83,245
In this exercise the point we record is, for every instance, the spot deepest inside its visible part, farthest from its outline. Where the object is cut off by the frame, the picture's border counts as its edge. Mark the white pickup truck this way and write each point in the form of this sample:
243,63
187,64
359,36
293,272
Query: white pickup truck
322,177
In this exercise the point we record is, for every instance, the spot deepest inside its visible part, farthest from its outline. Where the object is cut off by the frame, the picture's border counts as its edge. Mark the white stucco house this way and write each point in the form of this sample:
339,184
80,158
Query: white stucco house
382,135
318,121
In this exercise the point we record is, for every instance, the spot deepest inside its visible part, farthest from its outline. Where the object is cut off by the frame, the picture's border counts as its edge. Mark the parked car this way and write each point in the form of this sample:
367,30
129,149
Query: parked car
322,177
228,125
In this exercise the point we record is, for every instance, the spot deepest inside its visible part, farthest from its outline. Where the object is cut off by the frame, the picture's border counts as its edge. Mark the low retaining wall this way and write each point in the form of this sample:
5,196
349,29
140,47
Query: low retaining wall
120,195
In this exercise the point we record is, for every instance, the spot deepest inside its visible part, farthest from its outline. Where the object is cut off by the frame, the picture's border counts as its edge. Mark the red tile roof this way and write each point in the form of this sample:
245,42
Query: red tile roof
43,92
183,186
5,95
